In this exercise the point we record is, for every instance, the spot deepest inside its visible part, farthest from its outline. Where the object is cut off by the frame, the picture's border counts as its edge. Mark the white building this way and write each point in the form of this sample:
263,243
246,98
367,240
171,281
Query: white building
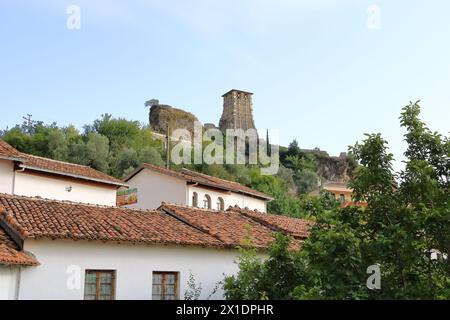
155,184
80,251
77,245
27,175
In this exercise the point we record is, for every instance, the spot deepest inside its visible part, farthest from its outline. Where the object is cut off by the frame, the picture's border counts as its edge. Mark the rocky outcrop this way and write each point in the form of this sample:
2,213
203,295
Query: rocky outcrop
337,169
162,115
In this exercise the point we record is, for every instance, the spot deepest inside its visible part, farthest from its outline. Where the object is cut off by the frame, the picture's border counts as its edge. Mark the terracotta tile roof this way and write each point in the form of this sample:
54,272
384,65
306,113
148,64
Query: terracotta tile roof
49,219
8,152
337,187
230,227
169,172
54,166
298,228
221,183
10,253
203,179
362,204
68,169
36,218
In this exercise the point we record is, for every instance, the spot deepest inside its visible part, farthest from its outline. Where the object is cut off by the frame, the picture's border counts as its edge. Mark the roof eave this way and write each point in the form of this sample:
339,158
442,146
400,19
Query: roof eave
12,158
196,182
237,90
262,197
76,176
133,173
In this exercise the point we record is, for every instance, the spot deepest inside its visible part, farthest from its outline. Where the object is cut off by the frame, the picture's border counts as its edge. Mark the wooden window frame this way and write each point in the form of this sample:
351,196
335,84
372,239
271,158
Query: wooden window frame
98,282
220,204
163,283
195,199
207,202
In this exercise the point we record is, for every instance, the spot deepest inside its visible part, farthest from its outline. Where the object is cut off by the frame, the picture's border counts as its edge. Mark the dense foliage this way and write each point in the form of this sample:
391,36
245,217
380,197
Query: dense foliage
404,230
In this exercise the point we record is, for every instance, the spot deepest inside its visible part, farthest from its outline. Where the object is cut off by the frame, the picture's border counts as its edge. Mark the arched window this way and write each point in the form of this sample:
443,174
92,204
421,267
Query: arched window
207,202
220,204
195,199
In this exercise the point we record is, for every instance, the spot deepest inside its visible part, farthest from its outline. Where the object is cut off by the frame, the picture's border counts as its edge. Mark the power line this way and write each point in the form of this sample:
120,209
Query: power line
29,123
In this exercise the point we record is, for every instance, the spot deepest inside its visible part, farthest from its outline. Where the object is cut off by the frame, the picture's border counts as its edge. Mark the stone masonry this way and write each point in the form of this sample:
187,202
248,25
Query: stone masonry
237,111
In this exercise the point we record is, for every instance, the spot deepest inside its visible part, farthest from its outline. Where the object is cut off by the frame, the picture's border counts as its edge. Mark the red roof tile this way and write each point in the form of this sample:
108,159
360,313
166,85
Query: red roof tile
203,179
36,218
8,152
56,167
10,253
230,227
39,218
298,228
68,169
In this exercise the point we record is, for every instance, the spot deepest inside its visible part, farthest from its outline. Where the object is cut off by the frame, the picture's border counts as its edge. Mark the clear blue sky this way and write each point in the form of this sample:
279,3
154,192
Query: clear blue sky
319,74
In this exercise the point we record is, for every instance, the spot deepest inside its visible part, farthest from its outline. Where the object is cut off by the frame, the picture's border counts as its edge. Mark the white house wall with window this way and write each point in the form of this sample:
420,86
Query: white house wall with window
155,185
228,198
79,251
65,268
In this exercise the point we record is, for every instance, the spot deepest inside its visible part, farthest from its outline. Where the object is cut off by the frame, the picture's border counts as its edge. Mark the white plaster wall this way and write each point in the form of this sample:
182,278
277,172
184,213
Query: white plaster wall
133,265
32,185
8,282
254,203
230,199
6,176
154,188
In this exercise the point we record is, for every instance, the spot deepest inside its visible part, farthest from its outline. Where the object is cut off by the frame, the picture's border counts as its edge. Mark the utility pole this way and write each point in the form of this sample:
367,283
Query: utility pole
168,147
29,123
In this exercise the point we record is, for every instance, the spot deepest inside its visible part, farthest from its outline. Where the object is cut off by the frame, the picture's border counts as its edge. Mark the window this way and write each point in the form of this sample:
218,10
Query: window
342,198
207,202
99,285
220,204
195,199
165,286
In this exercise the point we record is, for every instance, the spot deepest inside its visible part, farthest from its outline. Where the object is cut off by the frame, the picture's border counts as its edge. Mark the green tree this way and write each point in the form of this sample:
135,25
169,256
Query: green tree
127,160
151,155
97,151
407,218
58,145
273,278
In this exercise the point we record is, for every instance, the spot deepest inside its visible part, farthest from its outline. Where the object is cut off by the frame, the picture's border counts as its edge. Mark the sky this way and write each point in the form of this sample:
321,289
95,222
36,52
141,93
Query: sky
323,72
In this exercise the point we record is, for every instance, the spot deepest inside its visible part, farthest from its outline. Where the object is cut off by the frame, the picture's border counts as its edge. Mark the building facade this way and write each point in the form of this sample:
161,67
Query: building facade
32,176
62,237
156,184
80,251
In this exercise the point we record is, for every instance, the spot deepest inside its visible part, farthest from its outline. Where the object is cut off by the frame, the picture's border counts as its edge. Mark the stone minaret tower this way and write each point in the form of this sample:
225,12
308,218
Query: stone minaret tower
237,111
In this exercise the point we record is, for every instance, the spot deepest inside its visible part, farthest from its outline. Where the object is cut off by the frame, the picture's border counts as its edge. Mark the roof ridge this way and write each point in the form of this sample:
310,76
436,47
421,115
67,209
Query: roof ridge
91,205
90,223
189,207
268,214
